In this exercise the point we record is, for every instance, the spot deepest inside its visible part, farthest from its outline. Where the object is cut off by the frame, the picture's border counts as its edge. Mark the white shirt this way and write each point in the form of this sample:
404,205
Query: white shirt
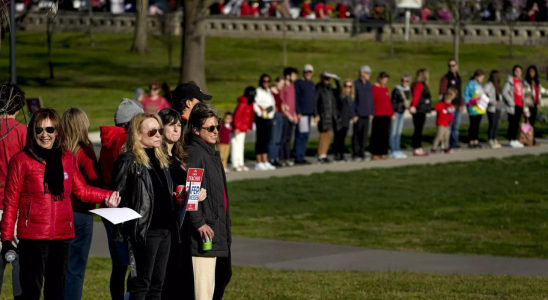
263,100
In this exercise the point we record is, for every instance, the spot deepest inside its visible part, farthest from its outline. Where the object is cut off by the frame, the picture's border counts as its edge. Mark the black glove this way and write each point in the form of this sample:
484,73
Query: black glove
7,246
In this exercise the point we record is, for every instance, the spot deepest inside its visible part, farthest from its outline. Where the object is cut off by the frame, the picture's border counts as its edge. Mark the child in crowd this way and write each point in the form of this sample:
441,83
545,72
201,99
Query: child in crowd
444,119
224,139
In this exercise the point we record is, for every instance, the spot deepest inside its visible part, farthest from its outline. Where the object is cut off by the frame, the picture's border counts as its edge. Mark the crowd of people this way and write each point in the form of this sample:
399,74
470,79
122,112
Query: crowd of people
51,179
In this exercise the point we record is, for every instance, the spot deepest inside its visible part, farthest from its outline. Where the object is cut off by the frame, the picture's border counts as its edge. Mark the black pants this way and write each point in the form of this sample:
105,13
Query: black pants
514,123
418,121
359,139
533,118
264,130
380,135
39,259
151,261
339,145
473,130
179,279
285,144
494,118
223,274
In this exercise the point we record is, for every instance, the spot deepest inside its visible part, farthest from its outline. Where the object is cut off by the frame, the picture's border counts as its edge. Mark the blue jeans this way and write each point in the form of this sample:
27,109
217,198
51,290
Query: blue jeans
301,141
396,126
79,252
454,140
276,137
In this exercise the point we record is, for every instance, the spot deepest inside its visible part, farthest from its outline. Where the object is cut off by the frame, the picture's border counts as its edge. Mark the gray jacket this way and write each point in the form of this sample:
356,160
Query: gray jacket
508,95
490,90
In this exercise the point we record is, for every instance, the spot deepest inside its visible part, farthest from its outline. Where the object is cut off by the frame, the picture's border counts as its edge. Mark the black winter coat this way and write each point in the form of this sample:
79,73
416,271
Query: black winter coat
343,112
326,104
212,210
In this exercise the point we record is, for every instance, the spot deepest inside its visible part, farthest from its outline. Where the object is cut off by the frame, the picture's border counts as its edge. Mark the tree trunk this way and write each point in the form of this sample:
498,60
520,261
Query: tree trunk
141,24
456,40
49,31
357,33
511,35
90,15
193,63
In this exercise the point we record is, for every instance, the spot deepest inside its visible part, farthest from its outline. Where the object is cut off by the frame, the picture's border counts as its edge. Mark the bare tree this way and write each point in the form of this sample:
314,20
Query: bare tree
390,15
90,15
140,44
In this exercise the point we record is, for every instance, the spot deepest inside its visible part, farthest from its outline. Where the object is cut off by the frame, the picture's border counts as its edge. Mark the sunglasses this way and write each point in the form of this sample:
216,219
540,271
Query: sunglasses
154,89
452,66
212,128
153,132
49,129
266,81
347,86
405,80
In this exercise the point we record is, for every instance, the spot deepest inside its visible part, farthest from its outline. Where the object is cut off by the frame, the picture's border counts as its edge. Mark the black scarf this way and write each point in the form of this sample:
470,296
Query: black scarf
54,176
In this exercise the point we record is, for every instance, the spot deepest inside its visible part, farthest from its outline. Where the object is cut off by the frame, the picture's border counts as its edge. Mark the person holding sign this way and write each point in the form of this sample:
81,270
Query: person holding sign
38,191
211,222
474,97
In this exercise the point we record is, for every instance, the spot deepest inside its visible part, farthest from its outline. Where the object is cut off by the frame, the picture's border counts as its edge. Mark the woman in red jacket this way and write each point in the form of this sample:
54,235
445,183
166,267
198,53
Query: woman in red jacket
40,182
243,121
384,111
421,105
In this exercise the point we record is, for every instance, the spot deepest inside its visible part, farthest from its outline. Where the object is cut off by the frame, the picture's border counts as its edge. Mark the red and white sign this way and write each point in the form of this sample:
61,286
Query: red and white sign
193,184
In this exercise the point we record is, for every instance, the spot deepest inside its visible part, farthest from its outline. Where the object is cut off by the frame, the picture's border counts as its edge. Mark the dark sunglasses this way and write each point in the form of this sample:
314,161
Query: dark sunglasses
154,89
347,86
212,128
49,129
153,132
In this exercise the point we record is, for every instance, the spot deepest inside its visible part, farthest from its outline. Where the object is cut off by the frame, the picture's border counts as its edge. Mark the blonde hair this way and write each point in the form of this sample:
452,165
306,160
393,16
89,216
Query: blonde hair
353,92
75,123
423,76
133,143
450,93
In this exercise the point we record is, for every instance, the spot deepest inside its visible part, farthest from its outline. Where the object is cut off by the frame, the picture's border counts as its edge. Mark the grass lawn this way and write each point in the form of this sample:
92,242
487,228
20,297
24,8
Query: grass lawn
95,79
253,283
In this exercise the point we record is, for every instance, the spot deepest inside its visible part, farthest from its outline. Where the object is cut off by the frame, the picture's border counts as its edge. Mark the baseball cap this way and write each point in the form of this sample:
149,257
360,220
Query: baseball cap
366,69
189,91
308,68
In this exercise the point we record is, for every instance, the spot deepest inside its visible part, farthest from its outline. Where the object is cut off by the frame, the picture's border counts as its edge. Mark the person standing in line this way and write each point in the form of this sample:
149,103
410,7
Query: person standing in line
243,121
493,89
401,100
277,124
183,99
112,140
325,112
421,105
444,118
533,91
472,96
287,96
45,174
305,93
513,96
380,133
75,124
364,112
154,103
453,80
343,116
12,100
211,223
264,108
224,139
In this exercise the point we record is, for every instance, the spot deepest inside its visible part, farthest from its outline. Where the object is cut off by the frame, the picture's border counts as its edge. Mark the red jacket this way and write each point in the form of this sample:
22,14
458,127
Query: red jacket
10,145
88,167
382,102
243,116
444,117
40,217
112,140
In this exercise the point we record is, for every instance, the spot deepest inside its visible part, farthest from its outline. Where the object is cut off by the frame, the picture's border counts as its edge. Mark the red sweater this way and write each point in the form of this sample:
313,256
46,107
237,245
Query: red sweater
243,116
10,145
88,167
382,102
224,136
417,92
444,117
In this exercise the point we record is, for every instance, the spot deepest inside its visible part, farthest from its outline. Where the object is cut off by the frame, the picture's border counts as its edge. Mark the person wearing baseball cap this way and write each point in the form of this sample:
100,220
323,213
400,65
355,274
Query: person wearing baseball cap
305,94
364,110
183,99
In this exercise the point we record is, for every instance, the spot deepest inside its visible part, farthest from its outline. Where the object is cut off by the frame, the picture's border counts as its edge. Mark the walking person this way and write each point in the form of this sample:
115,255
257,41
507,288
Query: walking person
445,111
343,116
243,121
493,89
380,133
305,93
401,100
364,111
47,171
277,124
453,80
264,108
75,124
325,110
514,99
472,96
420,106
142,176
12,101
154,103
211,223
533,90
287,96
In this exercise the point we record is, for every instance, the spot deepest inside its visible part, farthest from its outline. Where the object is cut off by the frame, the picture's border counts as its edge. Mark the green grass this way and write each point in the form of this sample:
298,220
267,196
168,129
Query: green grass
95,79
254,283
490,207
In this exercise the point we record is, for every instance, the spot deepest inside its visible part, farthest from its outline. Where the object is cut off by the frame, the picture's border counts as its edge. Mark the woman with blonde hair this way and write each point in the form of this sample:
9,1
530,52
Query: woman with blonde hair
420,106
141,173
75,123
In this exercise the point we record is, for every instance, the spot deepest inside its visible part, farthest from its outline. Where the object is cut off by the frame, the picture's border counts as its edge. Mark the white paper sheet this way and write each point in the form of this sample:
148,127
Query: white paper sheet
117,215
304,124
483,102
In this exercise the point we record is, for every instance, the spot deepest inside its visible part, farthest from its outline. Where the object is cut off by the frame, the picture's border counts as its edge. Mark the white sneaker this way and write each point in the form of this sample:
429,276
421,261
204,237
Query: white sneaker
516,144
245,169
269,166
261,167
238,169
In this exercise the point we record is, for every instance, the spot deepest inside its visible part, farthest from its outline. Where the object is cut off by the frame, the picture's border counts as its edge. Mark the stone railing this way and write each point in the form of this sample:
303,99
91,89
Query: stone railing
329,29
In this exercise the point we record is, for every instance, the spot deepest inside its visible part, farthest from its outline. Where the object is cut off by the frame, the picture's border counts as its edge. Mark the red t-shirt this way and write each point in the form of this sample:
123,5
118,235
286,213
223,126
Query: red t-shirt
381,100
154,106
245,10
224,135
444,117
518,92
10,145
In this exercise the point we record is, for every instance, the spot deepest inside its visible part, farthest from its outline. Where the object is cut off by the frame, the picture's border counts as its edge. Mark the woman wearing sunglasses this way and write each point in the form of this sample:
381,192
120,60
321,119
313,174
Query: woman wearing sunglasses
211,222
38,192
154,103
343,116
142,176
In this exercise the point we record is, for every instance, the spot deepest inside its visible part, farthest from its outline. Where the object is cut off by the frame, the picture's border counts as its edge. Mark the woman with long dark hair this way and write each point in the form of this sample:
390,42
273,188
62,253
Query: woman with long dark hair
472,97
420,106
514,98
40,182
493,89
264,114
533,91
